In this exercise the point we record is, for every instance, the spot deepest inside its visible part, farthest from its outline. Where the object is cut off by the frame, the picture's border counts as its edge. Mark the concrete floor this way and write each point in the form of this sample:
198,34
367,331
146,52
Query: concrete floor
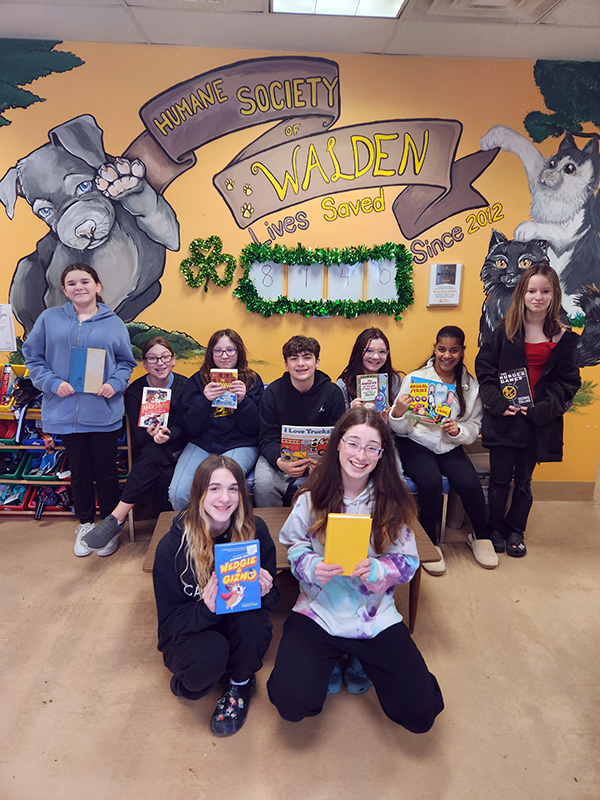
86,710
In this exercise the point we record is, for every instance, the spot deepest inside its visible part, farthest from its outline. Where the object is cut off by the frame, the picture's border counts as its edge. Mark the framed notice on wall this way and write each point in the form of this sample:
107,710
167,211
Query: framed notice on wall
444,284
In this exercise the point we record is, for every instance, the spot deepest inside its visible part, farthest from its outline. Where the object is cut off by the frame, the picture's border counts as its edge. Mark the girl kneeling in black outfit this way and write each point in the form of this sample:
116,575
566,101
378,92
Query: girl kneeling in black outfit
199,646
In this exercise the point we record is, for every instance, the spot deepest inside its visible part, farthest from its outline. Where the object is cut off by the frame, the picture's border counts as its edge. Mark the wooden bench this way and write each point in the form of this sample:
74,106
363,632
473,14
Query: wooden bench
274,518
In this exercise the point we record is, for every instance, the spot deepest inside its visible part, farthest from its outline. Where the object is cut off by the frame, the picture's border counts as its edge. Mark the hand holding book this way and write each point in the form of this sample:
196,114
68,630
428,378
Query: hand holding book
209,593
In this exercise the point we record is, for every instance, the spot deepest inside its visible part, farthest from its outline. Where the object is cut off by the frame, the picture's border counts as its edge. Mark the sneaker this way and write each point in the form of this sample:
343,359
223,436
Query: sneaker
232,707
103,533
355,679
435,567
484,552
335,680
80,548
111,547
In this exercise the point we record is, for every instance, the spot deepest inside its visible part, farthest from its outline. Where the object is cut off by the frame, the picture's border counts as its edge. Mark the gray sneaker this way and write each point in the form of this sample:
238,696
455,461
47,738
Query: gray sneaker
103,533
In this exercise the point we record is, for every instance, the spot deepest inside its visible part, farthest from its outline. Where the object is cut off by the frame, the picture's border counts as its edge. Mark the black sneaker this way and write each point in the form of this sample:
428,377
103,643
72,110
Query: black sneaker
232,707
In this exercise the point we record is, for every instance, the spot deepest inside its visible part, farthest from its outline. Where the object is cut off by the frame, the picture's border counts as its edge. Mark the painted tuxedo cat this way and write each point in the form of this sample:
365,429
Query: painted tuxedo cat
504,264
565,212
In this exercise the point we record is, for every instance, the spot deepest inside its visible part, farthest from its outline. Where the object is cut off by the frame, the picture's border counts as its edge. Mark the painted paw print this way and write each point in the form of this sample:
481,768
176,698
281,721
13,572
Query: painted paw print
247,190
247,210
229,184
121,178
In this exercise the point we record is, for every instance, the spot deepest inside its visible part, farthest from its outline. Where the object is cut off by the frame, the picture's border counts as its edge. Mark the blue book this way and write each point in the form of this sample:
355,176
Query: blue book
237,566
87,369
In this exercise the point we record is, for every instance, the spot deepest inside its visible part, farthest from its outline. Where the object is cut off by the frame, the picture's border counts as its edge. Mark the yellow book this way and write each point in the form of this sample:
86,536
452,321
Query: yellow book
347,540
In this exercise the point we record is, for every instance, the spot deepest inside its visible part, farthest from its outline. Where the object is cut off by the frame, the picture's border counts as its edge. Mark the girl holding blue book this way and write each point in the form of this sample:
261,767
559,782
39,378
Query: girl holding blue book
200,647
430,449
338,615
88,423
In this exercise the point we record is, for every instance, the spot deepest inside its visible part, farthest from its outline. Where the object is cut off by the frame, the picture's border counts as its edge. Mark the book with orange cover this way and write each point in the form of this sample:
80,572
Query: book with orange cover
347,540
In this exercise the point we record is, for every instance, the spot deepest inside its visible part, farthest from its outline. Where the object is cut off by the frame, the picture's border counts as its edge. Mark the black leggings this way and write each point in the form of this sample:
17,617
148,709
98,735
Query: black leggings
511,464
235,646
426,468
93,458
152,469
409,694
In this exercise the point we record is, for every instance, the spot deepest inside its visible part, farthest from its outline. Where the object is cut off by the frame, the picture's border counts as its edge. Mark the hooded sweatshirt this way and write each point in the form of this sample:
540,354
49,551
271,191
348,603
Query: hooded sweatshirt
47,354
282,404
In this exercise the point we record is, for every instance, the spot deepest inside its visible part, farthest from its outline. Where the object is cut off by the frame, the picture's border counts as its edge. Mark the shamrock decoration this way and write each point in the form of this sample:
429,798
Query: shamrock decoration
207,256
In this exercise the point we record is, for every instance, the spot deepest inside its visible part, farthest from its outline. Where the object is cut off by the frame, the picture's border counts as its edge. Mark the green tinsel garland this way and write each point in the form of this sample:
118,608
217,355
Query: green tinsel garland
305,256
207,260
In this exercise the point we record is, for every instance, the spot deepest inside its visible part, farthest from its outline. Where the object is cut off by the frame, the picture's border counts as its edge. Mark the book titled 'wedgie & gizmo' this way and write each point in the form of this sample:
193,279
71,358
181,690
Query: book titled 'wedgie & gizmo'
237,567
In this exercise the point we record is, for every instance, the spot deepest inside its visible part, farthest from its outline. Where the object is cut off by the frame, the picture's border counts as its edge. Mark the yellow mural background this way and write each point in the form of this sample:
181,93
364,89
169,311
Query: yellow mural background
116,80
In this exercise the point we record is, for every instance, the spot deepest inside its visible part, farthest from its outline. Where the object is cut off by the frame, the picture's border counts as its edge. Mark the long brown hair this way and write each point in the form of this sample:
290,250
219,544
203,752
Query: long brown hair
393,506
245,374
515,316
196,538
355,364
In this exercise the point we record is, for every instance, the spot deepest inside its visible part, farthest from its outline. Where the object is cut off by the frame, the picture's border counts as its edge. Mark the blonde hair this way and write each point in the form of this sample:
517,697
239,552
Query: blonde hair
196,538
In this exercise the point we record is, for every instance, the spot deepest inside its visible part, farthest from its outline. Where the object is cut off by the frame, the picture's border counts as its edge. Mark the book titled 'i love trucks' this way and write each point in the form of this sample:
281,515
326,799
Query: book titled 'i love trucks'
237,566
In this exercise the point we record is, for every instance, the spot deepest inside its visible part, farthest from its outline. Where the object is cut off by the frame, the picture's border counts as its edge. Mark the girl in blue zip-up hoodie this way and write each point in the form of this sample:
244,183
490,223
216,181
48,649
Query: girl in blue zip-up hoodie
88,424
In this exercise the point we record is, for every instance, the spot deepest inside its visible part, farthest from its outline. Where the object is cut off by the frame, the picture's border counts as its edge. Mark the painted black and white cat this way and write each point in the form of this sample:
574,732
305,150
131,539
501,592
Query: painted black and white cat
504,264
565,212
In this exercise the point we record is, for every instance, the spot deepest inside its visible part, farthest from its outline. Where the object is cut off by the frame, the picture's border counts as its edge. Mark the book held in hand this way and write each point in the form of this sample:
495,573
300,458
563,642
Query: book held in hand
431,400
300,441
515,387
237,567
87,369
372,389
347,540
155,407
225,377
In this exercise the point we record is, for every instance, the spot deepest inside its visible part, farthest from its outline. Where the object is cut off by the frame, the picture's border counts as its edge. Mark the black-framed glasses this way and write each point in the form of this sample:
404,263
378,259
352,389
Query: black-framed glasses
355,447
221,351
155,359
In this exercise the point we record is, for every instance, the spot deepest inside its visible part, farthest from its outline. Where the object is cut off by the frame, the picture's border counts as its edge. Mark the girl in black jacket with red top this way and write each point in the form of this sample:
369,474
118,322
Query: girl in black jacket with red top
531,336
199,646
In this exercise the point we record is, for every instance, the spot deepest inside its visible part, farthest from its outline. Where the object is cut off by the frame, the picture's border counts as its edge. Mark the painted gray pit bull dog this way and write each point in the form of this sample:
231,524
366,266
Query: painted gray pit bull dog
101,211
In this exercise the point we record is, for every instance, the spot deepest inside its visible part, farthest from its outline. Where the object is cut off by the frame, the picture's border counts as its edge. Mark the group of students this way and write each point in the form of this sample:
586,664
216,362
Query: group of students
342,627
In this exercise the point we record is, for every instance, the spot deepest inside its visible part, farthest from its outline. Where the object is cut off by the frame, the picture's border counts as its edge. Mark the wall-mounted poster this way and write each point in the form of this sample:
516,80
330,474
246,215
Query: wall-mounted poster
444,284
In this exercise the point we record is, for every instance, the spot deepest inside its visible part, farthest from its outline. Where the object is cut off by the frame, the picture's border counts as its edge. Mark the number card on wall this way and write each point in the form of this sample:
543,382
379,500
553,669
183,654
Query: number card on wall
268,279
305,282
381,280
345,282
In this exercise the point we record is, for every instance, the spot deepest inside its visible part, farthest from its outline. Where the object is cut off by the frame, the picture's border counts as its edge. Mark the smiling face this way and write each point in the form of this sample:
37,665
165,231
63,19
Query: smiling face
359,452
225,353
448,352
81,289
374,355
538,295
159,362
221,499
302,367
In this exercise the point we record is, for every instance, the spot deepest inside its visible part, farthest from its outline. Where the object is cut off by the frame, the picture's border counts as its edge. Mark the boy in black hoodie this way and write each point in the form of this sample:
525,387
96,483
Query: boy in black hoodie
302,396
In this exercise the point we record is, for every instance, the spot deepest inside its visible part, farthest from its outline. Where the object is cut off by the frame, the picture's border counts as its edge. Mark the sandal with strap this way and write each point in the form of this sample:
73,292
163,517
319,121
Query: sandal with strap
515,546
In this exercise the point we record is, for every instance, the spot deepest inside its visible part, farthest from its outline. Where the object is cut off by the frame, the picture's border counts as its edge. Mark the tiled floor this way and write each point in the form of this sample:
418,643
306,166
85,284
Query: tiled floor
86,710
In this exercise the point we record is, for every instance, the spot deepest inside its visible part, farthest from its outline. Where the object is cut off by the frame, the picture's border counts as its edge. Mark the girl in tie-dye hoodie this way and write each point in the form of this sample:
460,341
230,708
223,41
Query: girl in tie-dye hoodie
354,616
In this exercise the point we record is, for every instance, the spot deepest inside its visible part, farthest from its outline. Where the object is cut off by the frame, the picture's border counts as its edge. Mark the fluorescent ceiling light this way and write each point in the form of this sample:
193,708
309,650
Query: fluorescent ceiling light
340,8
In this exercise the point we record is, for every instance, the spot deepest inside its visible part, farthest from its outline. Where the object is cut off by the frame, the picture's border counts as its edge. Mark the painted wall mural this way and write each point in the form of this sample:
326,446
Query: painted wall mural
289,186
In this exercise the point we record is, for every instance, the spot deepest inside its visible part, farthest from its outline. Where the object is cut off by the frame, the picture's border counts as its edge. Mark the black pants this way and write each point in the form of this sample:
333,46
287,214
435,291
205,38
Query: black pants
93,458
511,464
409,694
235,647
426,468
152,469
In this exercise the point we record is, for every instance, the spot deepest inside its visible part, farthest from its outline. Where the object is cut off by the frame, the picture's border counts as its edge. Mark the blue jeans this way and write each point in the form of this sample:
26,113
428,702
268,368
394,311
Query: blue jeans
187,463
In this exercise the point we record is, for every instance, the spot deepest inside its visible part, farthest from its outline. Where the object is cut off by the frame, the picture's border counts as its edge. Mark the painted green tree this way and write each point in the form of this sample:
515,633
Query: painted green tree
571,91
23,61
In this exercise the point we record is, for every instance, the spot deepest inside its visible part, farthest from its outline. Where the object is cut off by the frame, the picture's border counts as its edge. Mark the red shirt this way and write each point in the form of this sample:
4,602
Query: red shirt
537,355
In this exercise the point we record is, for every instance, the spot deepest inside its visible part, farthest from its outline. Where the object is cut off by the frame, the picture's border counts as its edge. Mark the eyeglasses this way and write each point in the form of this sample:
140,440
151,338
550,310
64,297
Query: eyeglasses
219,351
376,352
155,359
355,447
